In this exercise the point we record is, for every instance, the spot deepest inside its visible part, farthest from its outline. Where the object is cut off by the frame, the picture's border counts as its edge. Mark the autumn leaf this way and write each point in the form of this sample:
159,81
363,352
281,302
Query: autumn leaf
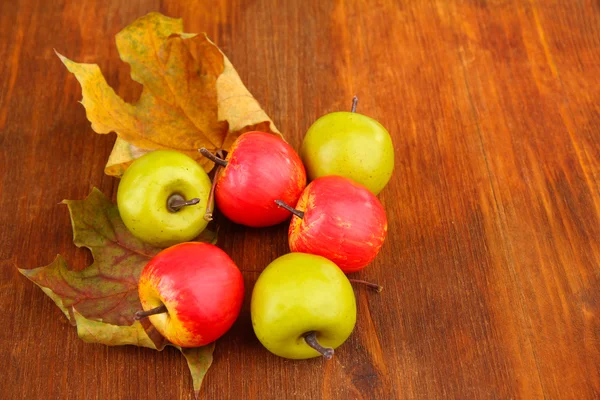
199,360
192,95
102,299
92,331
107,289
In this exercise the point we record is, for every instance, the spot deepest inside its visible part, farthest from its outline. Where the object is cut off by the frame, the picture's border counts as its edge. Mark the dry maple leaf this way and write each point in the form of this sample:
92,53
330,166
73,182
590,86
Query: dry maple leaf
192,95
102,299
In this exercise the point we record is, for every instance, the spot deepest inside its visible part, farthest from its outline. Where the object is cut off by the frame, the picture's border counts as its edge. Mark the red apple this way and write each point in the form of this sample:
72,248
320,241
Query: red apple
338,219
192,293
259,169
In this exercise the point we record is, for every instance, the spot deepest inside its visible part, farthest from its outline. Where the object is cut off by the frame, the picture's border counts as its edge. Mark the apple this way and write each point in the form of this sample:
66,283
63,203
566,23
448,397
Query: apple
351,145
338,219
260,168
302,306
162,198
192,293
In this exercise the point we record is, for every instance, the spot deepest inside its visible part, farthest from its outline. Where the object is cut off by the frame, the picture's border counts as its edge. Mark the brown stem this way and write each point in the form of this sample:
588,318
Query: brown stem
311,339
204,151
297,213
176,201
144,314
208,215
354,103
373,286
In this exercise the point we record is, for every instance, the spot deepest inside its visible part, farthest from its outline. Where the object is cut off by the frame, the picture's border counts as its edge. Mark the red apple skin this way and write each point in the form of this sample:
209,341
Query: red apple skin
202,288
261,168
343,221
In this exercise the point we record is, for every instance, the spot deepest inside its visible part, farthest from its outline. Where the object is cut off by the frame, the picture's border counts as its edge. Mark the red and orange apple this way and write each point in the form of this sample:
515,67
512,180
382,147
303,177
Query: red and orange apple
259,169
192,293
338,219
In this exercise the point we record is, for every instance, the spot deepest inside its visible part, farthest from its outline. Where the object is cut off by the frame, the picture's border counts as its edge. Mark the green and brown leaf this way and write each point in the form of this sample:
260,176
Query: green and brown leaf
102,299
199,360
192,95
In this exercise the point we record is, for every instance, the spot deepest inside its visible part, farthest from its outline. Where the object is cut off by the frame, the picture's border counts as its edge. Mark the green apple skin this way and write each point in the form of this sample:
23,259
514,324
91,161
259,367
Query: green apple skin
300,293
147,185
351,145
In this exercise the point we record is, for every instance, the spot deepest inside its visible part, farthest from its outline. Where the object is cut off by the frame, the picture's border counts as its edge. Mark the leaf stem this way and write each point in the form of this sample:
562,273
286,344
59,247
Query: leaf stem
297,213
204,151
374,286
311,339
354,104
208,215
144,314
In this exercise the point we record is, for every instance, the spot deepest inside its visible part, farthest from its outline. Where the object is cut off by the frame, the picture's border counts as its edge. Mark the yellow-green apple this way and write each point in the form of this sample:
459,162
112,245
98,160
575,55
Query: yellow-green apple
260,168
192,293
302,306
162,198
351,145
338,219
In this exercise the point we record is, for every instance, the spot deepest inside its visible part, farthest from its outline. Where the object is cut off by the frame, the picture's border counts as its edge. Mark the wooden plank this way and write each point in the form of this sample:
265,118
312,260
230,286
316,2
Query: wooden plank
491,267
544,181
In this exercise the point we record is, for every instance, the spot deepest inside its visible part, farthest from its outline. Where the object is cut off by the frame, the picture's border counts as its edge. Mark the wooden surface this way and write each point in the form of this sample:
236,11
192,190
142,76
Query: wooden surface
492,264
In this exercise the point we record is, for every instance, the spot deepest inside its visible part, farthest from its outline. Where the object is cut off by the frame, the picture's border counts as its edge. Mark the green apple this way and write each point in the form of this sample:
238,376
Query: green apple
351,145
302,306
162,198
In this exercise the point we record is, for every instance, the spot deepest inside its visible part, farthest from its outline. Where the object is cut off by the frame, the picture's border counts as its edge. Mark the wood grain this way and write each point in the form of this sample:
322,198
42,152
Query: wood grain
492,265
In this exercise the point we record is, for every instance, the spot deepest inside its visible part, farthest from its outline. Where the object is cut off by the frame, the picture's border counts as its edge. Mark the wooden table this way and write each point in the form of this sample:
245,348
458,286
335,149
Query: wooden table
492,264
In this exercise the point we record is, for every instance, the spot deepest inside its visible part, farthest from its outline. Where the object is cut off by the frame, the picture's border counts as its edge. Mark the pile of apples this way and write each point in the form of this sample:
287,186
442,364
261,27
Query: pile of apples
303,304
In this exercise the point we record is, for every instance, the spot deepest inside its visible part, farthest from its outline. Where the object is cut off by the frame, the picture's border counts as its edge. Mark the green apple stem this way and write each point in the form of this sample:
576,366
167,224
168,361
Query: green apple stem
311,340
204,151
176,201
297,213
354,103
373,286
144,314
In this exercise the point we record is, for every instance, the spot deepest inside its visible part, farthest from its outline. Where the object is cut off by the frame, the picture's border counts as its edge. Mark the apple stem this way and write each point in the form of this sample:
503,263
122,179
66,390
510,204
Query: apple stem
144,314
297,213
204,151
354,103
373,286
176,201
311,340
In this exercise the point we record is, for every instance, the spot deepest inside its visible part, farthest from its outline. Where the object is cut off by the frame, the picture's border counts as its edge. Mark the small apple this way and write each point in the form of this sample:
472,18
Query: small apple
351,145
338,219
192,293
260,168
302,306
162,198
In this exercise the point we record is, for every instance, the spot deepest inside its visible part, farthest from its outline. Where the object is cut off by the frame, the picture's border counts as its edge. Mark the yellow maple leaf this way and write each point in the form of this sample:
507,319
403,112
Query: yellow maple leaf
192,95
